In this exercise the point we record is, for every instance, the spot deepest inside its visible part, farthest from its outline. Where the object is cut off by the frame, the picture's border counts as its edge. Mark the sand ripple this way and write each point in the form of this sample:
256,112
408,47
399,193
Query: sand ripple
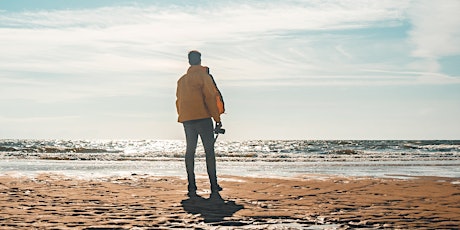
145,202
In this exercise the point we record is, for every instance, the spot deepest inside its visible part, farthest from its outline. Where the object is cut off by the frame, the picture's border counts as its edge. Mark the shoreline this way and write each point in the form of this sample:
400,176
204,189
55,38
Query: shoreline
96,169
47,201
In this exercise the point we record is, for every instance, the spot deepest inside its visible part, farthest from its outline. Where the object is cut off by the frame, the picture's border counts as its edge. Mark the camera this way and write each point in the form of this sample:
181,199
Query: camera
219,129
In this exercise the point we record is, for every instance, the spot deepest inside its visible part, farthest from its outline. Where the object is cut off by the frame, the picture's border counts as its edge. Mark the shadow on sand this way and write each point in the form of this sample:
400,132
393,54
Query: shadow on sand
214,209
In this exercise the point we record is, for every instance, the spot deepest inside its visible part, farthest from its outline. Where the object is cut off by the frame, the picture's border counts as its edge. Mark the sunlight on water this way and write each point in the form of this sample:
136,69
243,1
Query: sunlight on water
243,150
236,157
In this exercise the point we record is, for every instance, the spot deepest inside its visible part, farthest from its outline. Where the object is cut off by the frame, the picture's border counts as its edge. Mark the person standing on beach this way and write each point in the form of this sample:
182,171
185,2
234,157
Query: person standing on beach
198,102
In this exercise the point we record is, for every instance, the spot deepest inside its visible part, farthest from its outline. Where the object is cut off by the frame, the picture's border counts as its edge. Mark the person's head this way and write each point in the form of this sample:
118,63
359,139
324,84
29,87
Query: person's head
194,57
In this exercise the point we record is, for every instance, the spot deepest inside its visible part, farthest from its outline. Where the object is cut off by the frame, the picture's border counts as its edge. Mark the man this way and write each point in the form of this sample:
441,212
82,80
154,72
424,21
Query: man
199,100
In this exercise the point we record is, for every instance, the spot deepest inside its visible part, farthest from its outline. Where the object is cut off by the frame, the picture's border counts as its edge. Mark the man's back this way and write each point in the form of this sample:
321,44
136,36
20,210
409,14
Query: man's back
196,95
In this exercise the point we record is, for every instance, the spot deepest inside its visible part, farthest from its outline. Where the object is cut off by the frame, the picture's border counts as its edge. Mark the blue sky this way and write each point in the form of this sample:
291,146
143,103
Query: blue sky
344,69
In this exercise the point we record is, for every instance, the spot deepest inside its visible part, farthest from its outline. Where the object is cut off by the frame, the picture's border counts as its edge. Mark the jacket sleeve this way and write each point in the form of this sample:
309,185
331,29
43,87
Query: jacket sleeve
209,93
177,98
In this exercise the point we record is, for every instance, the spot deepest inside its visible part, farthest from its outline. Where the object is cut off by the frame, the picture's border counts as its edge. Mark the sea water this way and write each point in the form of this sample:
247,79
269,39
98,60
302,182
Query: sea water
260,158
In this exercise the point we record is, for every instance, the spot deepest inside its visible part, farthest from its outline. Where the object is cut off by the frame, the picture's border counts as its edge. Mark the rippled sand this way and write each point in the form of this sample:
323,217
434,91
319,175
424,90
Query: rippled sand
144,202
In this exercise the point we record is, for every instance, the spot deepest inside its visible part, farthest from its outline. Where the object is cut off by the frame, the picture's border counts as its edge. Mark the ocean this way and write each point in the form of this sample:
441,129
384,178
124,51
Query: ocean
258,158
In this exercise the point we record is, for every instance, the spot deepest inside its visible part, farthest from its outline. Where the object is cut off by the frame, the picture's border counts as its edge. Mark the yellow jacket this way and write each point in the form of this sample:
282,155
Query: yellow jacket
197,96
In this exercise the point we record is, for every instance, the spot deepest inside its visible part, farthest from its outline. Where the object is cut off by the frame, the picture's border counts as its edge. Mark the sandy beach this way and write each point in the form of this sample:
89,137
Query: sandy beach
50,201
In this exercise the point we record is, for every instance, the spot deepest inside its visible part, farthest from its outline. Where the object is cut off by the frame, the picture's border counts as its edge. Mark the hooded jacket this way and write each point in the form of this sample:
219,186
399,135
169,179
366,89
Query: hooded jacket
198,96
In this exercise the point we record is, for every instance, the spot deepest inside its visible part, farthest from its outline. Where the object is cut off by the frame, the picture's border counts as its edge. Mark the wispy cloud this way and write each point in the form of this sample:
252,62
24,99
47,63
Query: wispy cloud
235,16
103,68
435,33
241,40
436,28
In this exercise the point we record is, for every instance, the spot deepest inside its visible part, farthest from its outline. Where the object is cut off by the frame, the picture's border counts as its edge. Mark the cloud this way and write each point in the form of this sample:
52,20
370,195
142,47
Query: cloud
181,24
241,40
436,28
238,16
102,72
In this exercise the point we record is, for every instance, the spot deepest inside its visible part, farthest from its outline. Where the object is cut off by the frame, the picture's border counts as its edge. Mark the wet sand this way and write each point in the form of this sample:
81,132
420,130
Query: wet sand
51,201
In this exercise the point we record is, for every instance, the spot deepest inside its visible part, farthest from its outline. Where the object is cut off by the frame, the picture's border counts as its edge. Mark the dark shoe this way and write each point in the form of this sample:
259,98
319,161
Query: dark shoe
216,198
191,190
192,194
215,188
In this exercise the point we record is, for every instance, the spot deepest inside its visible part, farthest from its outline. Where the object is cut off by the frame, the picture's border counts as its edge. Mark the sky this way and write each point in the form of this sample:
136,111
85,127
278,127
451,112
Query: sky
291,69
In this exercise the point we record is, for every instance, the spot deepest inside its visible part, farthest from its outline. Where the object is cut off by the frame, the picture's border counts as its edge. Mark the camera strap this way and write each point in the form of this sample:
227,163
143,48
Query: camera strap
215,139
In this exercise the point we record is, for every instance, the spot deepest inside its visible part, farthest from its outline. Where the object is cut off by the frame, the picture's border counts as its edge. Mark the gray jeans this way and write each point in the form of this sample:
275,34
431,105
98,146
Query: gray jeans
205,129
